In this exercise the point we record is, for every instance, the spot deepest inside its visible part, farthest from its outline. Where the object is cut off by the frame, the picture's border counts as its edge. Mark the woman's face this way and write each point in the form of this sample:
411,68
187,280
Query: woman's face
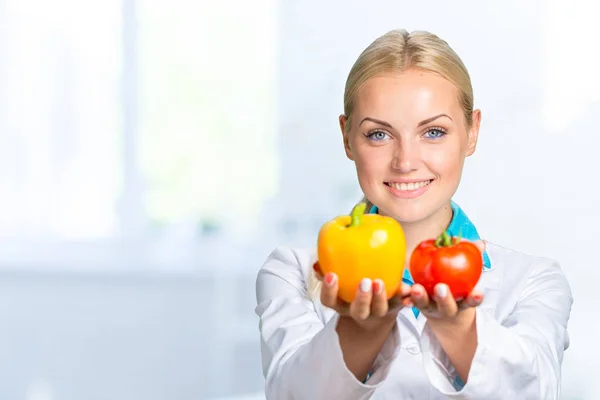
409,140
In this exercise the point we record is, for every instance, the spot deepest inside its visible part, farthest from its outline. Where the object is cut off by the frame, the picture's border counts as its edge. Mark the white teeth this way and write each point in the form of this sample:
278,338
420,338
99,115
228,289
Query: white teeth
409,186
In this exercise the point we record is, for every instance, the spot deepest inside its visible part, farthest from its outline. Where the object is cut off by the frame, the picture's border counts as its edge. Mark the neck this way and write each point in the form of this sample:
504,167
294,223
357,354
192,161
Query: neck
429,228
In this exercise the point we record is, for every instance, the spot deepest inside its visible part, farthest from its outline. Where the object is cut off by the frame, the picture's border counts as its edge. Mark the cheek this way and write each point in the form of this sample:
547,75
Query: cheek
445,161
371,162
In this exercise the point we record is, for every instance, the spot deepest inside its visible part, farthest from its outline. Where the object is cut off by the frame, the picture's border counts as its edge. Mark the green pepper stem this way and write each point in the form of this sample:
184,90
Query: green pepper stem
357,213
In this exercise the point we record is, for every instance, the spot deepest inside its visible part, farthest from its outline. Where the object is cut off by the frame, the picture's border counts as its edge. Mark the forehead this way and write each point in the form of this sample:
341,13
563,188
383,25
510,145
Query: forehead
411,95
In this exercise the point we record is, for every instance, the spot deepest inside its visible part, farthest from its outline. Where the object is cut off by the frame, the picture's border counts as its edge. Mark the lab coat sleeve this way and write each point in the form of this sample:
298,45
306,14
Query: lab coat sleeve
301,355
519,358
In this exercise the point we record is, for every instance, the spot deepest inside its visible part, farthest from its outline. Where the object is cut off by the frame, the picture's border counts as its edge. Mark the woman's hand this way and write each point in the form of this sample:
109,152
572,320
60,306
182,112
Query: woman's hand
370,308
443,309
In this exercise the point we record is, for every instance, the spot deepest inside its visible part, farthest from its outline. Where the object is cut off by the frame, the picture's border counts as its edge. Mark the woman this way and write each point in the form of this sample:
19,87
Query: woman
408,125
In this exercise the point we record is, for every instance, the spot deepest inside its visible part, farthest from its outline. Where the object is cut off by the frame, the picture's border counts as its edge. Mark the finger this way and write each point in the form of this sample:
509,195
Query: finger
404,290
480,245
360,309
407,302
446,304
329,294
318,272
419,297
401,297
474,299
379,305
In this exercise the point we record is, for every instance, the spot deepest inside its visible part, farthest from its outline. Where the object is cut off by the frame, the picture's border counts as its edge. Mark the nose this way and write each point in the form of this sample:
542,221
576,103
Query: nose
406,157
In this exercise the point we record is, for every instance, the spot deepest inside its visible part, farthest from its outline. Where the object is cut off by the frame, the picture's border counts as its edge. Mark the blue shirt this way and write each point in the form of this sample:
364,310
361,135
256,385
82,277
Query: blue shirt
460,225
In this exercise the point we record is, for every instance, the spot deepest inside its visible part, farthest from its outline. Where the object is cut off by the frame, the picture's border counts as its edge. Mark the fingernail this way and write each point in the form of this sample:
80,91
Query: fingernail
417,294
477,297
365,285
330,279
441,291
377,286
409,304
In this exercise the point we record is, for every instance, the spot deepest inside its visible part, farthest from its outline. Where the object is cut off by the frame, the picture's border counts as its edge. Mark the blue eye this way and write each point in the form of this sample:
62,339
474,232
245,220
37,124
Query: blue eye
435,133
378,135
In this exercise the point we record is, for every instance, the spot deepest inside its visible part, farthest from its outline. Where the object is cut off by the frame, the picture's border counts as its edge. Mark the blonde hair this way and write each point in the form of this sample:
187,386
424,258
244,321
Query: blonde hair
399,51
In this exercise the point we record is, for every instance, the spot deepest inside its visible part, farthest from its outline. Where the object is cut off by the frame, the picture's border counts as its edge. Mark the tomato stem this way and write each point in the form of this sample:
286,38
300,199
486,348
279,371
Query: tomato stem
459,238
444,240
357,213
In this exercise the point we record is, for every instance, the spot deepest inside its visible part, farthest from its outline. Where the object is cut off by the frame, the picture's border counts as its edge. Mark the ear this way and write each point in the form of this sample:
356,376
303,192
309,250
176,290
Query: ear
343,126
474,132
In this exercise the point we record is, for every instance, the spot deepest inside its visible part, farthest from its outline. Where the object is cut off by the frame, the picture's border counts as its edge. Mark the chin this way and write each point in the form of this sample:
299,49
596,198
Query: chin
405,211
407,216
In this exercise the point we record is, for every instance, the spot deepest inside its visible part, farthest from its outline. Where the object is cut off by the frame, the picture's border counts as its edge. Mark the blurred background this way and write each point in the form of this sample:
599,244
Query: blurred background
153,153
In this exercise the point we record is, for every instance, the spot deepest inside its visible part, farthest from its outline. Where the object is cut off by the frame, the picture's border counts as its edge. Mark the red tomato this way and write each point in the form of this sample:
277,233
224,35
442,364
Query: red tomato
447,260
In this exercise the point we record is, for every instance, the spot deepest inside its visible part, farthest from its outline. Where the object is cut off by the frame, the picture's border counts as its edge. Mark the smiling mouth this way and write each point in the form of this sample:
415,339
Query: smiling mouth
408,187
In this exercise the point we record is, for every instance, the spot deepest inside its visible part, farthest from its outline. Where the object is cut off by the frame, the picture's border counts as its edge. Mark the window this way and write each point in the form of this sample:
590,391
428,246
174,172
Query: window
60,119
136,122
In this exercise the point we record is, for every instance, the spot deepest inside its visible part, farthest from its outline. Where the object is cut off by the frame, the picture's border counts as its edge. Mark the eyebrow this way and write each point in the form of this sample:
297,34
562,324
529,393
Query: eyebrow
377,121
428,120
424,122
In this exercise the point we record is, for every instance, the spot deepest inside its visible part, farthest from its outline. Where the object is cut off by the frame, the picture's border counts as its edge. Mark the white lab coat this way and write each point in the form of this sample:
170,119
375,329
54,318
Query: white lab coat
521,332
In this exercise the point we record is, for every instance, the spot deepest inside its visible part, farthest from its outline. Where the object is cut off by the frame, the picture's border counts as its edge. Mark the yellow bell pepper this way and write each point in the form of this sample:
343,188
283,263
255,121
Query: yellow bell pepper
361,246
